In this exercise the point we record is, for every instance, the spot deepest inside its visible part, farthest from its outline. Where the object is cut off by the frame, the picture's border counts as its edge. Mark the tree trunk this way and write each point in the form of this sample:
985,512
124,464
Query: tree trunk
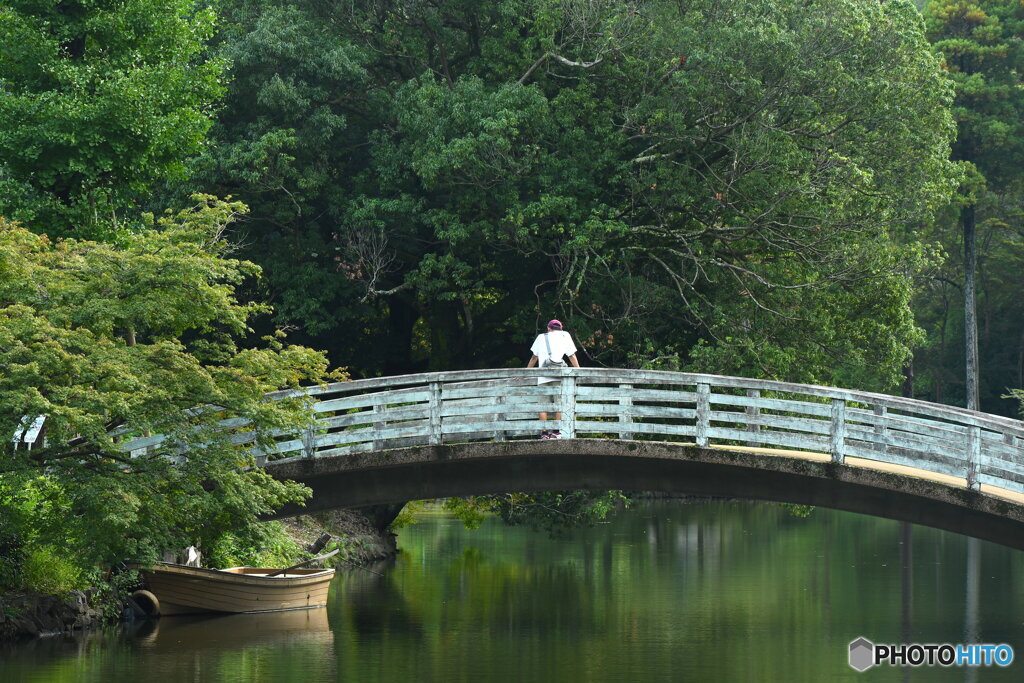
940,366
908,378
1020,360
401,318
970,314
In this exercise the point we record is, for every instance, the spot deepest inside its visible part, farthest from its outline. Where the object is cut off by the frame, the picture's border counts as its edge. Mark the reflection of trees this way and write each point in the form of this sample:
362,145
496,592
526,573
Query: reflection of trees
907,586
474,592
971,627
666,580
541,599
372,605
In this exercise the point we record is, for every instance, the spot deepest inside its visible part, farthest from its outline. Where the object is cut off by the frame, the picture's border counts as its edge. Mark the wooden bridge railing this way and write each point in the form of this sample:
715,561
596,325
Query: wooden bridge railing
391,412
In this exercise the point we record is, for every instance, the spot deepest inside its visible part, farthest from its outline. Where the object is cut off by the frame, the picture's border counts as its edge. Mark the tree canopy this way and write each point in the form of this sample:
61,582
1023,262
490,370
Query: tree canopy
983,49
100,100
715,184
110,342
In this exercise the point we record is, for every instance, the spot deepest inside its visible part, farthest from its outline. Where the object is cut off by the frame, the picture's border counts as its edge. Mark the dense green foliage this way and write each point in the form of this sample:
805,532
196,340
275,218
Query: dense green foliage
259,545
99,100
110,342
982,44
712,184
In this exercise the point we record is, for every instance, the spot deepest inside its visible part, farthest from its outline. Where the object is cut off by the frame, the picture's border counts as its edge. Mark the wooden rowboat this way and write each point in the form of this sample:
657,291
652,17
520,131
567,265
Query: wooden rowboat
177,589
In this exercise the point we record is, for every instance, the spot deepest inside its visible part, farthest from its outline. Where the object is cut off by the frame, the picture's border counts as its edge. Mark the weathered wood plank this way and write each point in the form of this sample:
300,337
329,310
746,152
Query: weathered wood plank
973,455
415,412
880,433
703,391
774,404
907,423
992,466
638,413
568,406
898,456
922,443
436,435
837,430
499,434
625,415
473,406
777,422
818,444
1016,486
506,390
999,458
612,394
753,415
416,395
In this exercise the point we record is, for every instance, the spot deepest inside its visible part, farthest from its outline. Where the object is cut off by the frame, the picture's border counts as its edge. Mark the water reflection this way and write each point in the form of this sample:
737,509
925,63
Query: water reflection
243,647
234,631
716,592
668,591
972,632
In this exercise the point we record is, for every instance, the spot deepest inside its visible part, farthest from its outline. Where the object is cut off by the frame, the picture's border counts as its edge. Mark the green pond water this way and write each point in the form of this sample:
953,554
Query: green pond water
666,591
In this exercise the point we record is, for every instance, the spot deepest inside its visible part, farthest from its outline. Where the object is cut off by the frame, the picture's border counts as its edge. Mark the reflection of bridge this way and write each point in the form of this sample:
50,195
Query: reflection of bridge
392,439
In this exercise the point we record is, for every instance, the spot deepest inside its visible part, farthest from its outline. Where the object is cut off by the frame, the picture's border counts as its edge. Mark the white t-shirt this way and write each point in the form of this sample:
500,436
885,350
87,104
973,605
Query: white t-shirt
561,346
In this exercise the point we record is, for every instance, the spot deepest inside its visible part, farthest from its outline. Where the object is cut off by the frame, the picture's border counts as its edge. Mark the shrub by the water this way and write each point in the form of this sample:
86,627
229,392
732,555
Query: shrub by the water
265,545
47,571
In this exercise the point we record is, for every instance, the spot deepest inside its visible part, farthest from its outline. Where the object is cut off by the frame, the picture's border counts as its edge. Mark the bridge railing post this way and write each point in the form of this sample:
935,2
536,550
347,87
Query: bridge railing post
703,410
625,410
434,436
499,434
837,432
378,425
568,401
881,431
973,456
309,441
753,417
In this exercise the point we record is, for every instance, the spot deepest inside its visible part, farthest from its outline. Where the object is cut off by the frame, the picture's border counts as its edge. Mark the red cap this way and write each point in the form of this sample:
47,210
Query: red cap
555,324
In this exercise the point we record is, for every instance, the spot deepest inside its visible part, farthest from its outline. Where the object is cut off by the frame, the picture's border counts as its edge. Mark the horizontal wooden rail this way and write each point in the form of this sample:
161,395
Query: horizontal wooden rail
707,410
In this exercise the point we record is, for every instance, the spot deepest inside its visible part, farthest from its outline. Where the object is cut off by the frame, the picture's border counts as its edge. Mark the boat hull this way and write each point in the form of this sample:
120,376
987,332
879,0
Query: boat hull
190,590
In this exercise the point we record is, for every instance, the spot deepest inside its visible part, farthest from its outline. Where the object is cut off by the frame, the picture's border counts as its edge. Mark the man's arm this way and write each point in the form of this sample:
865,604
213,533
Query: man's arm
572,359
533,362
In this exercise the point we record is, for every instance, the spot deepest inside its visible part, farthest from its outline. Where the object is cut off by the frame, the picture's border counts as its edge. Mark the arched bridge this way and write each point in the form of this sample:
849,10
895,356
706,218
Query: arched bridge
424,436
